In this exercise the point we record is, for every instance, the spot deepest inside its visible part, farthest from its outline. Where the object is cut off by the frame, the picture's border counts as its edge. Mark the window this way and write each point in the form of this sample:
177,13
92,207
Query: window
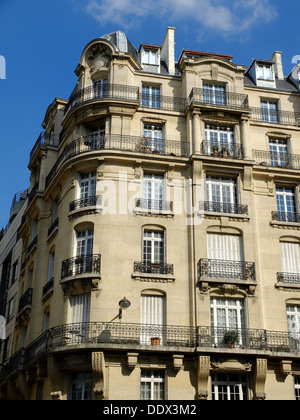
96,139
293,319
81,388
265,72
297,387
14,272
152,384
229,387
87,185
153,191
151,96
84,243
227,315
286,204
224,247
150,57
50,267
269,111
153,318
214,94
80,317
100,88
290,257
278,152
218,140
153,138
11,308
153,251
221,195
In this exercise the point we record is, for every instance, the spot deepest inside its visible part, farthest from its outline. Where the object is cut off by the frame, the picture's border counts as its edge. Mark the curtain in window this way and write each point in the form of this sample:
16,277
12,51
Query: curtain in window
290,256
152,318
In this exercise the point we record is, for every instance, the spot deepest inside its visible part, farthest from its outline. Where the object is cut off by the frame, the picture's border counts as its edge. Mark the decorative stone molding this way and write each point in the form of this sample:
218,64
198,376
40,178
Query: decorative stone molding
56,378
98,367
260,379
231,366
178,361
286,367
132,360
202,377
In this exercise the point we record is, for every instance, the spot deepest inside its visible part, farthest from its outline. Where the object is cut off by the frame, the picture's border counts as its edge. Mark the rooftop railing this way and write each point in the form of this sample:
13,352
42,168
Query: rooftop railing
44,139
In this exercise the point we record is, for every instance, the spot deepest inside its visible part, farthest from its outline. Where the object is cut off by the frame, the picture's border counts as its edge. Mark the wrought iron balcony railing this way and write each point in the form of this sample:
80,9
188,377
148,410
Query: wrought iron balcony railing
275,116
92,200
134,144
276,160
82,264
285,216
48,286
292,278
53,226
224,269
25,300
219,99
106,91
153,268
222,150
134,335
214,206
169,103
156,205
32,244
44,139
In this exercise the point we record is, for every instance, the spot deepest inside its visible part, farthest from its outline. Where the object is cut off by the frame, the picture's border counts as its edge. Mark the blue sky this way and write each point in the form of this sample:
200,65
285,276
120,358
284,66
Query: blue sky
42,40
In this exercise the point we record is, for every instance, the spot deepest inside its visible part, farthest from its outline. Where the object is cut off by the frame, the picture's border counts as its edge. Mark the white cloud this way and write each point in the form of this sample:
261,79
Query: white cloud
224,16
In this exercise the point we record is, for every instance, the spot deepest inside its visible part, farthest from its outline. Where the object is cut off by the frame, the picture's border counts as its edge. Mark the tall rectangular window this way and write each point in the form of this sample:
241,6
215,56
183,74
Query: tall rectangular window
218,140
221,195
293,319
153,318
100,88
87,185
84,243
81,388
269,111
153,249
297,388
80,318
153,191
290,257
50,267
286,204
278,152
153,137
152,384
151,96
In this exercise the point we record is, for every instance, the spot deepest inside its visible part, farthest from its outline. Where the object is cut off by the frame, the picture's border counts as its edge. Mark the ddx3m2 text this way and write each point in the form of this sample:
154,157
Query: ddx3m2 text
172,409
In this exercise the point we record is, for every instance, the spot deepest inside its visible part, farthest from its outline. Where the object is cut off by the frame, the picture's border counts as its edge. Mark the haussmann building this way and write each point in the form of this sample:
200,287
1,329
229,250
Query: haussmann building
157,252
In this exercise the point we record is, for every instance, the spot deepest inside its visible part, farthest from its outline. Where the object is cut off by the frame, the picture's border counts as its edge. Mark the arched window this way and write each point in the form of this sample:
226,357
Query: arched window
153,317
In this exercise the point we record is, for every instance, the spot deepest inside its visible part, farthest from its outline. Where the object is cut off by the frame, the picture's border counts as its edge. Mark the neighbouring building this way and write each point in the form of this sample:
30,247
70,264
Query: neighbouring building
156,254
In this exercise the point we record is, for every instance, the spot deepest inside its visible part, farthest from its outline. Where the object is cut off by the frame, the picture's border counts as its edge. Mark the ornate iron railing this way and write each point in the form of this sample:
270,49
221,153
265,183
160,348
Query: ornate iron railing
92,200
169,103
293,278
134,144
276,160
48,139
275,116
32,244
48,286
53,226
285,216
153,268
82,264
106,91
219,99
224,269
222,150
156,205
25,300
214,206
92,334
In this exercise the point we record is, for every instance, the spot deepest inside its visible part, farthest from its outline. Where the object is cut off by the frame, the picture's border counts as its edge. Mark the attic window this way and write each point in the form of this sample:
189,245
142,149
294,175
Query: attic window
150,56
265,72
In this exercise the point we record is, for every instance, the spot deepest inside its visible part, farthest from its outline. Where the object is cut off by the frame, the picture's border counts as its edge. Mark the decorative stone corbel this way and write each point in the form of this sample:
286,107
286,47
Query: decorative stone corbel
56,378
202,377
177,361
286,367
98,367
132,360
260,379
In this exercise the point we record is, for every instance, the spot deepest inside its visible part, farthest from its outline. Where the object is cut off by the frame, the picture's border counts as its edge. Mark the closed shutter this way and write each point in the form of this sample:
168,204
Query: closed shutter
224,247
152,317
80,308
290,256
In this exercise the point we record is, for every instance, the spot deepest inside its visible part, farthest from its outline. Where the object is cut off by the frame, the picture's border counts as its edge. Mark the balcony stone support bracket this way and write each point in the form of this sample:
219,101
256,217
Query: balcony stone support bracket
203,376
132,360
178,361
98,367
56,378
260,379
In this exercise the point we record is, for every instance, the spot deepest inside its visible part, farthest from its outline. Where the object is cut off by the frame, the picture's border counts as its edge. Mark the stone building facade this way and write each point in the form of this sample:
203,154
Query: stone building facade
161,232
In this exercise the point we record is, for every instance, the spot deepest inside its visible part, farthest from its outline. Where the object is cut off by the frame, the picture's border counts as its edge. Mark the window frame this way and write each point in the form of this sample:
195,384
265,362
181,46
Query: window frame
153,381
242,384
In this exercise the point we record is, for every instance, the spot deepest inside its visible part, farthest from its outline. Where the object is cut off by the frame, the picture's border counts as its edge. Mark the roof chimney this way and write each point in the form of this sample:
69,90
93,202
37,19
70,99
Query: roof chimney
168,50
278,64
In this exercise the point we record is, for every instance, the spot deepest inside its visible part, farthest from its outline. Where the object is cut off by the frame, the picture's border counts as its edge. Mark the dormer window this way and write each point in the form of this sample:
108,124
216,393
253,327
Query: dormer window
265,72
150,57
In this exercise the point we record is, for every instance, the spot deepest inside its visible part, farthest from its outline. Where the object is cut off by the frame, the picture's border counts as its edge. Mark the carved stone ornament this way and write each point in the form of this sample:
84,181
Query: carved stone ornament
260,379
98,367
203,376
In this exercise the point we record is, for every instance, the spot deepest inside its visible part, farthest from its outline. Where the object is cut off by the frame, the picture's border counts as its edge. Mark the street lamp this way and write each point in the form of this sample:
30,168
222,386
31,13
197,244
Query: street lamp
123,304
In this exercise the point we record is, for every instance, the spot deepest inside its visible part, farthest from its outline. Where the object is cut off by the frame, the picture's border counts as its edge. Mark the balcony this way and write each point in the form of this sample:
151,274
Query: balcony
81,273
44,139
221,100
222,150
149,205
168,103
85,202
53,227
126,336
276,160
275,117
230,208
134,144
289,279
239,273
147,267
25,300
107,91
32,245
280,216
